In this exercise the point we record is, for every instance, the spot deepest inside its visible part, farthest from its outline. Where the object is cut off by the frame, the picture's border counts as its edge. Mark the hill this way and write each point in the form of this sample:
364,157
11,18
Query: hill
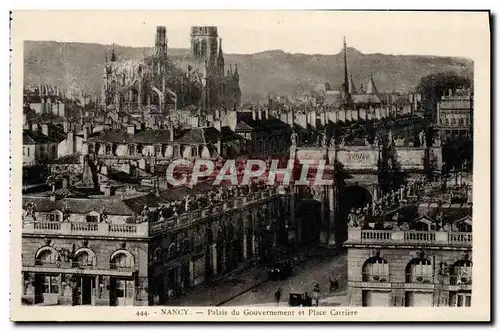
264,73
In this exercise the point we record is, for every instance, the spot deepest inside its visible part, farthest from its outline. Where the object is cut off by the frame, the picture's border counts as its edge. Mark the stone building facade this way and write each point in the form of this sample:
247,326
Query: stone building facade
455,114
425,262
141,250
155,85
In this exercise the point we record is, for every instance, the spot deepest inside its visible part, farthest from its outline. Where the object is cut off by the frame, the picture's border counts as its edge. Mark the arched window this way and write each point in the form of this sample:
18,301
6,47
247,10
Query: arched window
84,257
186,245
375,269
122,260
157,254
171,251
203,48
461,272
419,270
46,255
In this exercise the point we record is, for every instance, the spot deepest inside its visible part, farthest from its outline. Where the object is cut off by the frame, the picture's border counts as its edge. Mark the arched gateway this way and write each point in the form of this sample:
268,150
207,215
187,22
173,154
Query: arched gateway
319,212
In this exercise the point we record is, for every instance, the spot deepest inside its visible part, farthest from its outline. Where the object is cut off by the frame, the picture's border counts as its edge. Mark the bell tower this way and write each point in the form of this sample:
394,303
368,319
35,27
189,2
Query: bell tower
204,44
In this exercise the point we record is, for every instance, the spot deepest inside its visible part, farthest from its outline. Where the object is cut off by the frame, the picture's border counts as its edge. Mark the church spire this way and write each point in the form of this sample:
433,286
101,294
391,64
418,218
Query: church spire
352,87
113,55
346,77
236,74
371,88
220,58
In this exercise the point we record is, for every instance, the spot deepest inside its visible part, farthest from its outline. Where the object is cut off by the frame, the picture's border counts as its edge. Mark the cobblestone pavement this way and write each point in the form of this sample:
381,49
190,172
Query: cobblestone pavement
315,270
250,287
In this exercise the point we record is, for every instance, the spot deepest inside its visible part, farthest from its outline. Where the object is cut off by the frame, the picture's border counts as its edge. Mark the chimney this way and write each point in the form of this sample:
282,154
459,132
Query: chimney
219,146
171,131
254,115
45,129
65,182
107,190
218,125
66,126
86,132
131,129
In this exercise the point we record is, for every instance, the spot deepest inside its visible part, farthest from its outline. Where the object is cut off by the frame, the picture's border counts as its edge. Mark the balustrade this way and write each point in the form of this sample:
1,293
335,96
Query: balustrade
357,235
145,228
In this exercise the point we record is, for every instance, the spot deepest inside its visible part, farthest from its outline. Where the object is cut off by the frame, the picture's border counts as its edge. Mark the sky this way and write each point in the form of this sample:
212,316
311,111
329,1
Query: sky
246,32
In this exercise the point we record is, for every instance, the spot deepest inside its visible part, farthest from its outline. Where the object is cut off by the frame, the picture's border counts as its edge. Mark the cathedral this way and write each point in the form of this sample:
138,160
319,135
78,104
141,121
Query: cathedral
155,85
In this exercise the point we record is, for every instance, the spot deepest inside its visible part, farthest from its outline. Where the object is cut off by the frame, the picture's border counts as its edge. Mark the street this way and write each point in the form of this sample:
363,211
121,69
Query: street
250,287
314,270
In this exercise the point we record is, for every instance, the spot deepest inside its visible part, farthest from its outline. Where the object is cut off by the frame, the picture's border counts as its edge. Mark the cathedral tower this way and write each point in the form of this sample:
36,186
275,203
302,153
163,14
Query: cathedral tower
160,52
161,42
204,43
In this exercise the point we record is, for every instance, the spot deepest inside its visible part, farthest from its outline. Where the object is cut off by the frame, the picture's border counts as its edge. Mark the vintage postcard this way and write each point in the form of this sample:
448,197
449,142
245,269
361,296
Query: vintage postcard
250,166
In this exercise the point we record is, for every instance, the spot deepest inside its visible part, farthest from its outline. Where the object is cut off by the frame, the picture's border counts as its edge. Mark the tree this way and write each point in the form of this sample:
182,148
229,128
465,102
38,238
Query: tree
434,85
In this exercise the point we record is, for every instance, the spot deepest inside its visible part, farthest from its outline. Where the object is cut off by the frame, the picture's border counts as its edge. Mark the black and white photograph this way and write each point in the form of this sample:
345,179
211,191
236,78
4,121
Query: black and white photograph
261,166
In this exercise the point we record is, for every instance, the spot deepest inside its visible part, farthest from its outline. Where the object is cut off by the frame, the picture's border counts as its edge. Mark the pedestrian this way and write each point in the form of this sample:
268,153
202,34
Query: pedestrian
277,296
316,291
334,284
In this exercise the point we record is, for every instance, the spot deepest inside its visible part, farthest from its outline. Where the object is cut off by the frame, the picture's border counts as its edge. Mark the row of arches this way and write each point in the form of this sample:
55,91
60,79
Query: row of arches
418,269
84,257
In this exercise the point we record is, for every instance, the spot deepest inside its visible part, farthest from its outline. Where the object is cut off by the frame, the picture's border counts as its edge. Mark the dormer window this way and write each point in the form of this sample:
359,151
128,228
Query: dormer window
158,150
132,150
54,218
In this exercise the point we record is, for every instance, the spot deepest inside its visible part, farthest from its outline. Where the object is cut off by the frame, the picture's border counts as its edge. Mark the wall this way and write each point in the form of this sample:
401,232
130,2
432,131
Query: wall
398,259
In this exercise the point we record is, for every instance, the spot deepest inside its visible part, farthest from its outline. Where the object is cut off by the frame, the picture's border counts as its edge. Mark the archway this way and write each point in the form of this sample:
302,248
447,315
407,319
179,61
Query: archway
352,197
308,213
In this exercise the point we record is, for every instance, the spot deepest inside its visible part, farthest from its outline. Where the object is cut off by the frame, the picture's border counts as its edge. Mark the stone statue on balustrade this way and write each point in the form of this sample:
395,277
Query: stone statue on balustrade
422,139
439,221
294,138
374,208
362,220
342,142
29,215
104,215
352,219
437,140
144,214
323,139
375,141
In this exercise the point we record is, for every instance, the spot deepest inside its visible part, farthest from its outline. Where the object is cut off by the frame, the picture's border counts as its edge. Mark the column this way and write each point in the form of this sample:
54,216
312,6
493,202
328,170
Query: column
298,223
245,255
213,250
255,245
332,209
142,292
322,200
97,290
139,96
191,272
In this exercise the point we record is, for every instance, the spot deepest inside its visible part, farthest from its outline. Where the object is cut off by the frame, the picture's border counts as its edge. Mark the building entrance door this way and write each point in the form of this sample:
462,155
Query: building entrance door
82,293
122,292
